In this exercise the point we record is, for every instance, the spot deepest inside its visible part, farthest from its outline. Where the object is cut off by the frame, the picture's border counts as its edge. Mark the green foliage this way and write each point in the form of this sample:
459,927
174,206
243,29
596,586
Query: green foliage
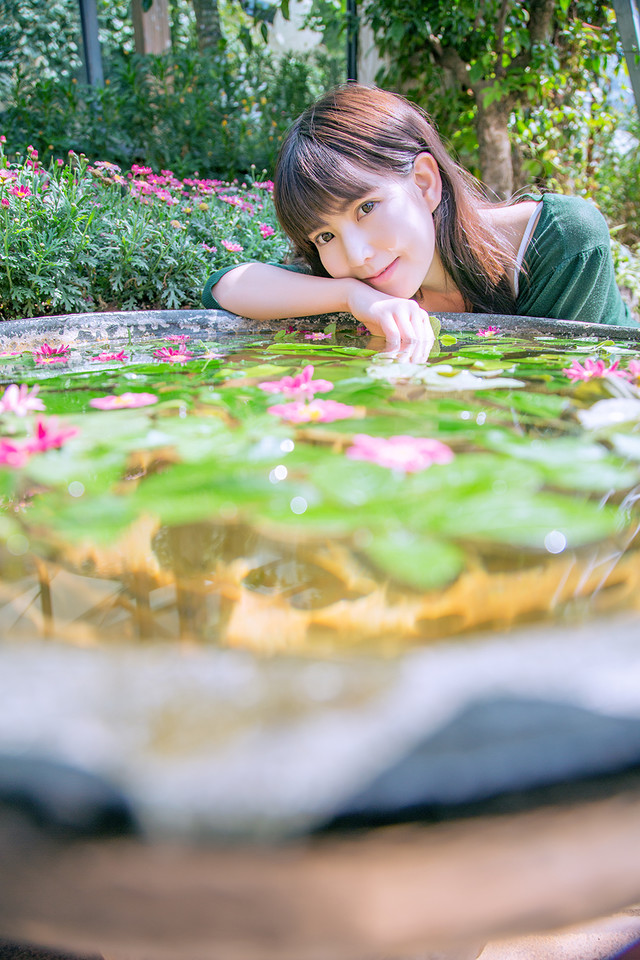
218,115
84,237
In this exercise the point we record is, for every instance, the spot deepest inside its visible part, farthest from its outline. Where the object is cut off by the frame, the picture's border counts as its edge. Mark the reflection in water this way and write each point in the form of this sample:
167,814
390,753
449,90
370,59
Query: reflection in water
229,585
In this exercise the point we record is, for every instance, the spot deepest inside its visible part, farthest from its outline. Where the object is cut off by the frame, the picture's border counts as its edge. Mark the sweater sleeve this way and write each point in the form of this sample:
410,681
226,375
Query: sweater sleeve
210,301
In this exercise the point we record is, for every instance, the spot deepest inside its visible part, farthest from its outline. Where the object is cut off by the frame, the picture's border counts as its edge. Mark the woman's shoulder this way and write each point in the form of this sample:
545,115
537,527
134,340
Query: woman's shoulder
571,224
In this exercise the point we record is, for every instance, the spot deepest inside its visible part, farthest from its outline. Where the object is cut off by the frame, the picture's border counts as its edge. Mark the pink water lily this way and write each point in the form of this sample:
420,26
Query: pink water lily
316,336
47,354
168,355
317,411
489,332
403,453
594,370
178,337
49,435
634,369
106,357
124,400
302,386
20,400
13,454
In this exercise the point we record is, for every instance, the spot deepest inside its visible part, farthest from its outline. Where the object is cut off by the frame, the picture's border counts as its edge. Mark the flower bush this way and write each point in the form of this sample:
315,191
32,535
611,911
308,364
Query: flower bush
80,237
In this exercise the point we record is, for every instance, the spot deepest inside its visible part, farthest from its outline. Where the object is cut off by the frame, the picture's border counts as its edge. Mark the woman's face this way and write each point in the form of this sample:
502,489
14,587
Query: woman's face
385,238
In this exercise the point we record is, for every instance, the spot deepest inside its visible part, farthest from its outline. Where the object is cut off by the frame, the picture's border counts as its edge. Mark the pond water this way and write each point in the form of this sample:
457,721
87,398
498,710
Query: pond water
308,493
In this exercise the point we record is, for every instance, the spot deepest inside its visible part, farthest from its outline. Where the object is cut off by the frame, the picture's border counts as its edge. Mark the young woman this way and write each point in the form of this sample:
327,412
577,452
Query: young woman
387,227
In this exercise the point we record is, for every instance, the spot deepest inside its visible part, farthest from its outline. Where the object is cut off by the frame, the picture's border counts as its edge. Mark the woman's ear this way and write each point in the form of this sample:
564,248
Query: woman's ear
426,174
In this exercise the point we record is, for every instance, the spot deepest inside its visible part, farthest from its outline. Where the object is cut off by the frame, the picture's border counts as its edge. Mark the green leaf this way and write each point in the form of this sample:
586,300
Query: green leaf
418,562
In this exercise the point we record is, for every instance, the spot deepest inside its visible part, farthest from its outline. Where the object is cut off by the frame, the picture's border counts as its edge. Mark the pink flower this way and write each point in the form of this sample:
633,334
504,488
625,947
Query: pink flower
47,354
105,357
594,370
180,355
634,369
5,202
20,400
9,353
178,337
137,170
3,139
231,246
317,411
406,454
212,355
113,402
266,230
316,336
13,454
205,246
301,386
20,190
49,435
489,332
361,330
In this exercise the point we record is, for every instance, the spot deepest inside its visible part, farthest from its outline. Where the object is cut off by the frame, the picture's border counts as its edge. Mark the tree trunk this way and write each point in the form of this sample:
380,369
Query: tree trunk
492,128
207,25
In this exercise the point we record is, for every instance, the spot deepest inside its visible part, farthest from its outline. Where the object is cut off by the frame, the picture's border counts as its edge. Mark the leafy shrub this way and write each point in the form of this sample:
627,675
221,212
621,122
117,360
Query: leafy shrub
79,237
217,116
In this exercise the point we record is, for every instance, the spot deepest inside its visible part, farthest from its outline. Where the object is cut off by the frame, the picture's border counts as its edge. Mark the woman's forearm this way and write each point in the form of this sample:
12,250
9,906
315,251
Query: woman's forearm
261,291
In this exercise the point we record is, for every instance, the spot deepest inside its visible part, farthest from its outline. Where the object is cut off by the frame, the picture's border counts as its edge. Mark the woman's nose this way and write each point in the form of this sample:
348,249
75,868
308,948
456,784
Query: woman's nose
357,248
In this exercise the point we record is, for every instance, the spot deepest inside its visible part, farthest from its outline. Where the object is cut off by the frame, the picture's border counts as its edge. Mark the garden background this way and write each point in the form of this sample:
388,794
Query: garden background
128,195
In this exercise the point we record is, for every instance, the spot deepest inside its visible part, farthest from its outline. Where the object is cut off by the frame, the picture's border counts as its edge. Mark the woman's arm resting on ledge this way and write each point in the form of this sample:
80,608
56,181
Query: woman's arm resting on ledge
261,291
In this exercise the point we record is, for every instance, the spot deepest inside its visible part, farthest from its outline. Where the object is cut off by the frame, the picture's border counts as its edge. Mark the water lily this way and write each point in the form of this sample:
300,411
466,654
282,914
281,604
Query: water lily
634,369
317,411
106,357
47,354
301,386
594,370
124,400
13,454
489,332
49,435
316,336
20,400
168,355
404,453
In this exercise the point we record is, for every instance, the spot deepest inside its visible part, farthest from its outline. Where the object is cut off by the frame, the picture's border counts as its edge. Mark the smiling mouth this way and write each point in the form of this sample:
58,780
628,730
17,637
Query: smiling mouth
384,274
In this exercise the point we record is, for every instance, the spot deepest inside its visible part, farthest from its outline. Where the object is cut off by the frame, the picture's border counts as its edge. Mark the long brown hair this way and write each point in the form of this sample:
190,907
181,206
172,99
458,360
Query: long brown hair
355,129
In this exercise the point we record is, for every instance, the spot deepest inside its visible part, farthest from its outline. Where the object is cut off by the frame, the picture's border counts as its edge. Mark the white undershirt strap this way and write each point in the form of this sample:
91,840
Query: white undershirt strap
524,243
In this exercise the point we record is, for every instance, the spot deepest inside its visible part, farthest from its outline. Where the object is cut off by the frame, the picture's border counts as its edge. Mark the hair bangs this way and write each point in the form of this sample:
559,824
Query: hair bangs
312,183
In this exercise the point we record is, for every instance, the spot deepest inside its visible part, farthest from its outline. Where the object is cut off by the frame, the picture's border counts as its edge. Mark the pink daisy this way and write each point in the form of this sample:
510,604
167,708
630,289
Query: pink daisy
47,354
106,357
113,402
20,400
402,453
594,370
317,411
301,386
168,355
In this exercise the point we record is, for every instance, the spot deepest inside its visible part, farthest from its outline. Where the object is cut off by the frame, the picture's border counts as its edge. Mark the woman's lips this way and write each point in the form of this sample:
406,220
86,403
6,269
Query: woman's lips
384,274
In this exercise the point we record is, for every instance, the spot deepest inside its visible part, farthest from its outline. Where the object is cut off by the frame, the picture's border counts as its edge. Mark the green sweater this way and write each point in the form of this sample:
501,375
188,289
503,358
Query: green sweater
567,273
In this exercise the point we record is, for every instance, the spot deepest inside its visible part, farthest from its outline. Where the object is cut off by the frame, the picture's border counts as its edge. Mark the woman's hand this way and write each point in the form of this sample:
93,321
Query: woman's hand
394,318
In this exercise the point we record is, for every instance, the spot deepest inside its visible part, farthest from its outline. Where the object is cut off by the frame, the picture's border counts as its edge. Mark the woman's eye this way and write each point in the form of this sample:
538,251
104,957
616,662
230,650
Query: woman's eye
323,237
367,206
